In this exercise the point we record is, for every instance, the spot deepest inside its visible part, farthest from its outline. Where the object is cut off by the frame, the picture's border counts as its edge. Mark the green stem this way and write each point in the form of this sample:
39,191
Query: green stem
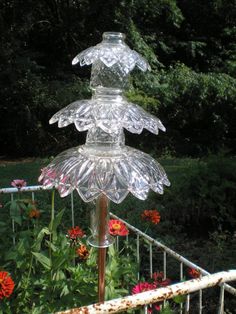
30,269
51,223
53,205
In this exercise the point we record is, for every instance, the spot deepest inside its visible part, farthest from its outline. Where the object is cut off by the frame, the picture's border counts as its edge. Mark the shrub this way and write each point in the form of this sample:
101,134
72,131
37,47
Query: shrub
197,109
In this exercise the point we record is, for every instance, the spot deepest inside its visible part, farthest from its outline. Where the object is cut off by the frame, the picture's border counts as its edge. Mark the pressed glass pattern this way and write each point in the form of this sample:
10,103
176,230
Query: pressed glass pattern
105,165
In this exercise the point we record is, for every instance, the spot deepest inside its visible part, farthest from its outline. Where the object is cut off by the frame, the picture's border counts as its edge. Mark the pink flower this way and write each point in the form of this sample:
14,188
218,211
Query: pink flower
116,227
19,183
143,286
146,286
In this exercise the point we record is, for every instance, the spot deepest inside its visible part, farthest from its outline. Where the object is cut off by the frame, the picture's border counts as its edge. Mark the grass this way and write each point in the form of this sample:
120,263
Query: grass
28,170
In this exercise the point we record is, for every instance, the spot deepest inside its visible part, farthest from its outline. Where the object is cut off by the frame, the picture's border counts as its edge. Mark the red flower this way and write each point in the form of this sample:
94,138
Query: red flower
151,215
75,233
82,252
18,183
159,281
6,285
143,286
194,273
117,228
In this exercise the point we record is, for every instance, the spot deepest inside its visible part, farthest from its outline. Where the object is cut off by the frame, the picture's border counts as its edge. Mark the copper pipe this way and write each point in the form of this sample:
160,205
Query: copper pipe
103,208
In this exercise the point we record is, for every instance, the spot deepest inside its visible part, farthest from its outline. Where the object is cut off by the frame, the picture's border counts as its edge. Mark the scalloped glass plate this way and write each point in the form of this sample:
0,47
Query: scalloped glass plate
115,173
109,116
111,54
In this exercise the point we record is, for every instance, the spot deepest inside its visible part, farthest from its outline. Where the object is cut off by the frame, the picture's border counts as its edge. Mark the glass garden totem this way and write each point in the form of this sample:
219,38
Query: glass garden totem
105,169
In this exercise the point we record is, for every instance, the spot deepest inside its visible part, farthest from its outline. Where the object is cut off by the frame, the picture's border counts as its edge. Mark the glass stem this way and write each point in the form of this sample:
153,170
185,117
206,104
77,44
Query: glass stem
100,224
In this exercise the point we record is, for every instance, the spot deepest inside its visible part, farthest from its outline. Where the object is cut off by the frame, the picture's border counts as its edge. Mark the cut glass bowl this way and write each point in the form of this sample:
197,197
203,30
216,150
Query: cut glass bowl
95,171
110,116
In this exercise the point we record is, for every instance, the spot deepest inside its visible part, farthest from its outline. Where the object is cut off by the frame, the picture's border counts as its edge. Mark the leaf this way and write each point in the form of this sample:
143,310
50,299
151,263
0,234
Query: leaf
51,246
64,291
179,299
59,275
11,255
44,260
42,233
15,212
55,223
59,261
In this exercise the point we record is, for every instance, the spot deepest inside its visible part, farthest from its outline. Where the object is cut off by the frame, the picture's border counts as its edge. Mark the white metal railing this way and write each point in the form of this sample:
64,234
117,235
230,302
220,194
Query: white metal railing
153,296
166,252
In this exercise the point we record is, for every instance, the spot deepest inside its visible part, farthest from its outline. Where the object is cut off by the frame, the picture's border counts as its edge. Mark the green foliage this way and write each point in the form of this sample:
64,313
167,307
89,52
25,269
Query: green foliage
195,98
48,274
197,109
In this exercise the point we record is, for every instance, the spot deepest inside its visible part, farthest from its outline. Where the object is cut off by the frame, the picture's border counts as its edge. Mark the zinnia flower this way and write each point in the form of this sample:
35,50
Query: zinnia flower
18,183
34,213
6,285
82,252
146,286
194,273
75,233
117,228
151,215
143,286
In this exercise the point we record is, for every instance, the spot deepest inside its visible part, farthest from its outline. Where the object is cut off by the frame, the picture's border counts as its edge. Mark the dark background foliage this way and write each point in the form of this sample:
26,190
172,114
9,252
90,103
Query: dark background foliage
189,44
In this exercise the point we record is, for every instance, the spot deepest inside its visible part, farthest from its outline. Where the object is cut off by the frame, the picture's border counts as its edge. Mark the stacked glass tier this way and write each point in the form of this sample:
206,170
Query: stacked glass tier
104,164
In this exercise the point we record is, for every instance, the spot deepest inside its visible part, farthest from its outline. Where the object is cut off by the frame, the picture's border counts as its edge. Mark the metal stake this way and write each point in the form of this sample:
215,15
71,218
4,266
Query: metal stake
103,207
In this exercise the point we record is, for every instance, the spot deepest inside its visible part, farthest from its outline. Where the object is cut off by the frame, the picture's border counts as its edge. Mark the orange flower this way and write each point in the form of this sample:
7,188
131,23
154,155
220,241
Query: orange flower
34,213
116,227
151,215
82,252
194,273
6,285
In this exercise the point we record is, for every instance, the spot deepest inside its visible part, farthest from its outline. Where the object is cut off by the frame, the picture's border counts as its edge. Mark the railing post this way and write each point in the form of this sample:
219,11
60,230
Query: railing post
138,256
72,209
181,278
164,264
200,301
150,260
13,224
222,297
187,304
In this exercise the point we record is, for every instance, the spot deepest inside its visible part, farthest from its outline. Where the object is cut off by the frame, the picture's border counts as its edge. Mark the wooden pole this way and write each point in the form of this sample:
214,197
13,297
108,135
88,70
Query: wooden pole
103,212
